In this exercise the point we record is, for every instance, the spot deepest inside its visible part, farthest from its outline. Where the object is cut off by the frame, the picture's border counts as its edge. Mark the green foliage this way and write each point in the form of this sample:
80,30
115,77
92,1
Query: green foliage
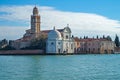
97,37
38,43
7,48
117,41
85,37
104,37
109,38
4,41
4,45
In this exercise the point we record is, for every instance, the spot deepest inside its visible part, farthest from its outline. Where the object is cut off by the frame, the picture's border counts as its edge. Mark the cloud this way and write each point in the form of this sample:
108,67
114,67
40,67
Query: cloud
80,23
11,32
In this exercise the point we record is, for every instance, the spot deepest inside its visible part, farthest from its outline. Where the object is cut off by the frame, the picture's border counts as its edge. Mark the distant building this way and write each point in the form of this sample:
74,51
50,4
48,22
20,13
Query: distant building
91,45
77,44
60,41
30,34
34,32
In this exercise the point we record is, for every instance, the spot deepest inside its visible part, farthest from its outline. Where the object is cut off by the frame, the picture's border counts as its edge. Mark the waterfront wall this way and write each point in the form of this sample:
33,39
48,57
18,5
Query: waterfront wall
21,52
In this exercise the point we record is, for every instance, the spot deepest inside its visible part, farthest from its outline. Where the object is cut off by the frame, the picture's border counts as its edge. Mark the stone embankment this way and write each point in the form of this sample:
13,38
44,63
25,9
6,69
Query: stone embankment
22,52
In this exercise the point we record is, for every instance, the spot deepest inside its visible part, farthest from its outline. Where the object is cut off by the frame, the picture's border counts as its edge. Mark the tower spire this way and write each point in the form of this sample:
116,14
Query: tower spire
35,10
35,21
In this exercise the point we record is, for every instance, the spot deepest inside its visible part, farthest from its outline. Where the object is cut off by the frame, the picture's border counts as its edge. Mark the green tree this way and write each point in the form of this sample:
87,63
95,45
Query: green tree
97,37
38,43
109,38
84,37
8,47
80,37
117,41
4,41
4,45
104,37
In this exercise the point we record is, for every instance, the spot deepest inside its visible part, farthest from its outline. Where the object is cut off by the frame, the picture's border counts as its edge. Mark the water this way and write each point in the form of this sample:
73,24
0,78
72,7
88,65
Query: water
69,67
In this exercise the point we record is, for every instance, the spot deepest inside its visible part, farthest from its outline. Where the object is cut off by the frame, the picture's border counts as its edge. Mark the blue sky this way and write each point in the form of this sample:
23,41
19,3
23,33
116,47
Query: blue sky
96,10
108,8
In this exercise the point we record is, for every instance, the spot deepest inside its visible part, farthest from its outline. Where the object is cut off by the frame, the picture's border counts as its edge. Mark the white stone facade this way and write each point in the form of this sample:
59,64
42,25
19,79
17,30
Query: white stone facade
60,42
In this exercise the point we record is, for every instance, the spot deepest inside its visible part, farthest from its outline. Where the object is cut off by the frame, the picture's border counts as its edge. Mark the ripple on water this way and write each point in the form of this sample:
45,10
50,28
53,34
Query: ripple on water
73,67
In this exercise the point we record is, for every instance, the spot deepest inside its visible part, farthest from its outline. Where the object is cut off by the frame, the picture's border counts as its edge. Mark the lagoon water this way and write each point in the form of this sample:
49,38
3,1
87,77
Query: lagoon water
58,67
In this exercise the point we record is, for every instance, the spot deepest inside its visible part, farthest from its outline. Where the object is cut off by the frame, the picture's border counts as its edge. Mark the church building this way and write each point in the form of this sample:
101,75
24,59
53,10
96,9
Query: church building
32,33
60,41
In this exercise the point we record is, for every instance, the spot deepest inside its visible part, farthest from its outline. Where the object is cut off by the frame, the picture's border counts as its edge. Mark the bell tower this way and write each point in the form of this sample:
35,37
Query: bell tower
35,21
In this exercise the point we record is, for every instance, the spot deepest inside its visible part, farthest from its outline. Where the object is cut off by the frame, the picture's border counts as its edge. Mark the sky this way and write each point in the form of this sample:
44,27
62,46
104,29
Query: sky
85,17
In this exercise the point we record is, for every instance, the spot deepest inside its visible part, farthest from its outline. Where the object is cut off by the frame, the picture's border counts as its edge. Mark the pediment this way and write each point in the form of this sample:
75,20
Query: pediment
67,29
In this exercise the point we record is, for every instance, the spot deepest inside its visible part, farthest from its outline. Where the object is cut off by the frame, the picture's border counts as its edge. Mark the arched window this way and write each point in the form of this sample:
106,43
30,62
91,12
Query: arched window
66,36
52,43
59,43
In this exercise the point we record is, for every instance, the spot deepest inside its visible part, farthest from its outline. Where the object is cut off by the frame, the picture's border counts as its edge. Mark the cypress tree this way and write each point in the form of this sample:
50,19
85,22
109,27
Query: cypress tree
97,37
117,41
103,36
109,38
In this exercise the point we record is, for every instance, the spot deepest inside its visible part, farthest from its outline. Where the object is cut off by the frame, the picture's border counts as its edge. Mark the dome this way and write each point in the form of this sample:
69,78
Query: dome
35,10
54,34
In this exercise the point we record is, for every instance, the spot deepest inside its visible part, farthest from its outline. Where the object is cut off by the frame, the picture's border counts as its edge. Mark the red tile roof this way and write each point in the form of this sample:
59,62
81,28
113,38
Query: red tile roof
89,39
47,31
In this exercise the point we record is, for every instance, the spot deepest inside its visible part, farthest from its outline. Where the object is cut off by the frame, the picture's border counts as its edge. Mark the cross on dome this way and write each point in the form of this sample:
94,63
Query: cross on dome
54,28
67,25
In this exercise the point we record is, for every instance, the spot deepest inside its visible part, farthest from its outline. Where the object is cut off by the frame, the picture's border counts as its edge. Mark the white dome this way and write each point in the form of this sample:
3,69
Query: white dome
54,34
